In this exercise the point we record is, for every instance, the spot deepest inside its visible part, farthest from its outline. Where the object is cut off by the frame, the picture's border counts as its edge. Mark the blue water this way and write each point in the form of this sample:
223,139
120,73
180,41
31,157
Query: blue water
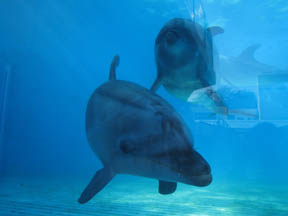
54,54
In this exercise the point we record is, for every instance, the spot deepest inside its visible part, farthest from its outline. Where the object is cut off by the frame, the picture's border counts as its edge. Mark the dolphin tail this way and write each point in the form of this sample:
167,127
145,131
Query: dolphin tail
98,182
114,64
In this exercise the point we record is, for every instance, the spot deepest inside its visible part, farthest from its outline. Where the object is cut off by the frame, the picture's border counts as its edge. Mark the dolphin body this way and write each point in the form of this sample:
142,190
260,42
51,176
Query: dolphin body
134,131
184,59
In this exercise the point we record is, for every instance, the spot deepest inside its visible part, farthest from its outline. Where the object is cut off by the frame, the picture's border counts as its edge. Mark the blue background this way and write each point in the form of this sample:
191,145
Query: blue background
60,51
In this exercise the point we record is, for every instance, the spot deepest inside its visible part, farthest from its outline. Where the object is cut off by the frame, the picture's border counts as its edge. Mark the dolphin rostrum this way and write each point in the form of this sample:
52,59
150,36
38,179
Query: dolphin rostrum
134,131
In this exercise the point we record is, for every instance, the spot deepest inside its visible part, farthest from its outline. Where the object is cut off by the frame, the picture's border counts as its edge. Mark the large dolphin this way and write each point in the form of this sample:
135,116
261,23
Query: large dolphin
134,131
184,59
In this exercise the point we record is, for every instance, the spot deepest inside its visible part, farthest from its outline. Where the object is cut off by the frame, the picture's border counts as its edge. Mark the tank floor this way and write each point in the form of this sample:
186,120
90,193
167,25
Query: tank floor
138,196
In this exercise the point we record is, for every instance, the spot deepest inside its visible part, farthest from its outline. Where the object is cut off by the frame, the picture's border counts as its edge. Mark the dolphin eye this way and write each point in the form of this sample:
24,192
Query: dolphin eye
124,147
172,37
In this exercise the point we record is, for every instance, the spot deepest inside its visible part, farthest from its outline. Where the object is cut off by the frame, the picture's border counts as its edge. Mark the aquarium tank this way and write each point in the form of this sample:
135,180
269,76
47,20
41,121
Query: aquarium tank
147,107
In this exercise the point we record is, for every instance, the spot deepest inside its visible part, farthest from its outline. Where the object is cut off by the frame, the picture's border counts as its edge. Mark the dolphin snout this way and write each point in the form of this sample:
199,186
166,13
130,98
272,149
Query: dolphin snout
200,165
206,169
200,171
203,180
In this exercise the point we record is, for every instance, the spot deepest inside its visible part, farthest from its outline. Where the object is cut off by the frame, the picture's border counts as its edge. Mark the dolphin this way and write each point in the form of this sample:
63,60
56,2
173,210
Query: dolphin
134,131
184,59
244,69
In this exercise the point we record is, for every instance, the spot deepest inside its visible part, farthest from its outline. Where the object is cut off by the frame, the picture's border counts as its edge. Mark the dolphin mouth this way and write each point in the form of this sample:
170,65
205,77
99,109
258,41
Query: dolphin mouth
201,181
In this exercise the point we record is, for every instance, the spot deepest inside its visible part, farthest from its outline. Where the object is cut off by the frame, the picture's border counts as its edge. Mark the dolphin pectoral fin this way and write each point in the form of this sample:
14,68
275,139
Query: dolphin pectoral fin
167,187
98,182
215,30
156,85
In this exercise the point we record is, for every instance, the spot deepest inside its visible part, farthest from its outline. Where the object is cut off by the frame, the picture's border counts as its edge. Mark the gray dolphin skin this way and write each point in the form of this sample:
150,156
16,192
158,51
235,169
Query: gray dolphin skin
134,131
184,59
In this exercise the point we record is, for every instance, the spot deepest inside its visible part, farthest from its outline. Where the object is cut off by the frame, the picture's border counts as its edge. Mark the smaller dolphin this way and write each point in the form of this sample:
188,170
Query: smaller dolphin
134,131
184,59
243,70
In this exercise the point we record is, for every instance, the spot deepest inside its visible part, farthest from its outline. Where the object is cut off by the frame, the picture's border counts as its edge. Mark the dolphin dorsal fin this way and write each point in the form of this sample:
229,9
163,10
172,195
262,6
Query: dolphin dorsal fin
114,64
249,53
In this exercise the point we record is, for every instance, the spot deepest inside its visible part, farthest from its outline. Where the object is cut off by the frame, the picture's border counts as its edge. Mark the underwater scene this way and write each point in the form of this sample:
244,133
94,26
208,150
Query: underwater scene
144,107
